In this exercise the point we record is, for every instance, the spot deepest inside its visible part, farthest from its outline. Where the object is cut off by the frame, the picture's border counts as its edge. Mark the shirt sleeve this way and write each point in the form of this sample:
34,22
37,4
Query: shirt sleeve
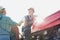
11,22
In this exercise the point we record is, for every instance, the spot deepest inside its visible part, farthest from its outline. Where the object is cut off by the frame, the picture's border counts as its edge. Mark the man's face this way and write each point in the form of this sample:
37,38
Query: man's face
3,12
31,12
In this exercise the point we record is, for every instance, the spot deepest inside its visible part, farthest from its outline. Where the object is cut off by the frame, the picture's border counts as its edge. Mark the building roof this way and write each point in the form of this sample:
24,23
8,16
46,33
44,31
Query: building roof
49,21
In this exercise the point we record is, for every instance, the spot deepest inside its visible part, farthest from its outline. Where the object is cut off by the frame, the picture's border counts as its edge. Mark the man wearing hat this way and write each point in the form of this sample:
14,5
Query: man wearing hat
7,24
28,21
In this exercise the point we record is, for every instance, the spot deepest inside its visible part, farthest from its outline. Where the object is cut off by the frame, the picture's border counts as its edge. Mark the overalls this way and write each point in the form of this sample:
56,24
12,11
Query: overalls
27,29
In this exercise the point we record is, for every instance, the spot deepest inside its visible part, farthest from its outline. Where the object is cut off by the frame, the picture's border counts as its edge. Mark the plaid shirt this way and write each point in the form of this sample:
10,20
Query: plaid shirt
6,23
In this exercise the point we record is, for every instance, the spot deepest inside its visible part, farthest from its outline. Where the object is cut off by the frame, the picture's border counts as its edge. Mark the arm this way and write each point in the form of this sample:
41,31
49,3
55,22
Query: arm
20,22
14,27
11,22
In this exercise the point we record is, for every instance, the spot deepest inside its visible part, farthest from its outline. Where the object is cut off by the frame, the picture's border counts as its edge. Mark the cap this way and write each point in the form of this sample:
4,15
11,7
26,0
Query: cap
31,8
1,8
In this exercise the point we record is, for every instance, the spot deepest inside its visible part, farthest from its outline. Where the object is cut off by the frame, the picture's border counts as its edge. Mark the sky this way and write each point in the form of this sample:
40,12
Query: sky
17,9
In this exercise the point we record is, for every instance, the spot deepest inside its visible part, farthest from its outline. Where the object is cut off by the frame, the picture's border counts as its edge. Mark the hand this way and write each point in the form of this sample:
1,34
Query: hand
20,23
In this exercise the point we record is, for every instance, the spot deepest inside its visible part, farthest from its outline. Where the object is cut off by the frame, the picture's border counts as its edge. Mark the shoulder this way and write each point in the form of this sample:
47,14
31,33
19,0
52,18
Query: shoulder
27,16
6,17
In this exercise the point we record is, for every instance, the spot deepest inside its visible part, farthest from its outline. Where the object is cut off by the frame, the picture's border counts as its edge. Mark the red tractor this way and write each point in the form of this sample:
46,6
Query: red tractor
49,29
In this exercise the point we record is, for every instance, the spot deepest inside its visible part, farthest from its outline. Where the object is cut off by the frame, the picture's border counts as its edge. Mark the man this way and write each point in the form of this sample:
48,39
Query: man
7,24
28,21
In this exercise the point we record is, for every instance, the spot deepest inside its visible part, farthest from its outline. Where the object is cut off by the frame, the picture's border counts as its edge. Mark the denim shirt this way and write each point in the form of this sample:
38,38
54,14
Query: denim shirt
6,23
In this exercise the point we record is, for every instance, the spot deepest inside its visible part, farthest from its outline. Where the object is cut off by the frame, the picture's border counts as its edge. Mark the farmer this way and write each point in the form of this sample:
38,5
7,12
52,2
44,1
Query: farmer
7,24
28,21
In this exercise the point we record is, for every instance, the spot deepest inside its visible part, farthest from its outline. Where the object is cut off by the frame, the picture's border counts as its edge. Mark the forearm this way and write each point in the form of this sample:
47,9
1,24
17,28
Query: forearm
20,23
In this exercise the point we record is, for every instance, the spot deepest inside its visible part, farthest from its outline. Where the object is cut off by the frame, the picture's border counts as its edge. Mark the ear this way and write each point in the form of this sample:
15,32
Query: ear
1,11
4,12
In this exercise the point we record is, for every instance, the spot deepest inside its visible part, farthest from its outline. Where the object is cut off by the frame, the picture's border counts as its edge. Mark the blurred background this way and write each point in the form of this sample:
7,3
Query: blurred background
17,9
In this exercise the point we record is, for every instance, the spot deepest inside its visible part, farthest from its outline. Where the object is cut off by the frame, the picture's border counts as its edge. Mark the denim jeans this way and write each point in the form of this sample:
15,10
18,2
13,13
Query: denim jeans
27,32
